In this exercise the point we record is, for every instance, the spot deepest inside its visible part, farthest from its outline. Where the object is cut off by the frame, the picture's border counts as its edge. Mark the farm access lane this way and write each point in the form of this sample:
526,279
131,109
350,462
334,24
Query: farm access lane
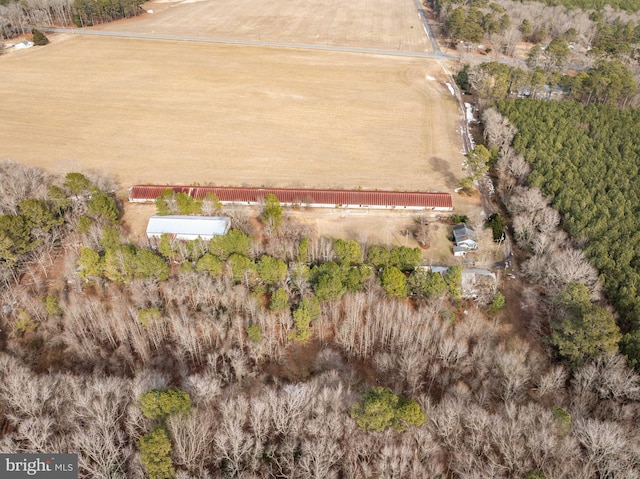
427,28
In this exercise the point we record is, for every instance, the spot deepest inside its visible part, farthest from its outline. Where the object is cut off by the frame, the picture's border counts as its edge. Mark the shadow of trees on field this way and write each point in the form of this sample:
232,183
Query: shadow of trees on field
442,166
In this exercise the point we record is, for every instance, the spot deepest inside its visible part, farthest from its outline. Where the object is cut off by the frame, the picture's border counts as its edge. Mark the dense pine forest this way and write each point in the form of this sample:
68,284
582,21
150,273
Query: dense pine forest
586,159
274,352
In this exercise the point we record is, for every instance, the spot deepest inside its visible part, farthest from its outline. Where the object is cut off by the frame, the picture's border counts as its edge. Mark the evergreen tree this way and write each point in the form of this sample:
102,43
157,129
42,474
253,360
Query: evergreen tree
279,300
381,409
76,183
155,454
158,404
582,330
348,252
39,38
210,264
272,214
271,270
394,281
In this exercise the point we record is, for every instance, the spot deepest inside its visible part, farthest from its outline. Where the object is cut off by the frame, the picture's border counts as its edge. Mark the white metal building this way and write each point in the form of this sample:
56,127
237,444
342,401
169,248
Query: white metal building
188,227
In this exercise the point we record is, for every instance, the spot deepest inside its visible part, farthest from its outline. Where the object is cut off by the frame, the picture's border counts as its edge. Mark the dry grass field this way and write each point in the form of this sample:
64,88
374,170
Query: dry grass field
163,111
358,23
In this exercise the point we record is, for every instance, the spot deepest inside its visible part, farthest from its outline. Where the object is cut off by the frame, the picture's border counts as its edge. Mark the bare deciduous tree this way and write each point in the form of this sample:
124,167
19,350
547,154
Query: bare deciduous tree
498,130
192,437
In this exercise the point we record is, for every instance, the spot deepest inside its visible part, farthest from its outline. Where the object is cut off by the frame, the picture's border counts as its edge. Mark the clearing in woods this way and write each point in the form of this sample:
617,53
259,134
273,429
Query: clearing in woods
163,111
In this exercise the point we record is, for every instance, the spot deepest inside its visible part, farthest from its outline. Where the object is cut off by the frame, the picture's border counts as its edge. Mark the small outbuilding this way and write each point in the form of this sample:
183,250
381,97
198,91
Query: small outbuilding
188,227
479,284
476,283
459,251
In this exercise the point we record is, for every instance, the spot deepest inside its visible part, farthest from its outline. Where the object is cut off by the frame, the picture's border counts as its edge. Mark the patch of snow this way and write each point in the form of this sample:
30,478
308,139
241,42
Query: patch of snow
453,92
23,45
469,111
430,78
471,142
469,118
490,186
149,11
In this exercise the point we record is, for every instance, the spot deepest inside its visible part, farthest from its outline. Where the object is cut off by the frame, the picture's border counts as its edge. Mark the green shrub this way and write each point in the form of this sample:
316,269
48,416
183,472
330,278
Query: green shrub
157,404
235,241
303,250
24,324
497,304
242,269
563,418
455,219
381,408
327,281
308,310
147,315
279,300
378,256
254,333
405,259
51,306
427,284
581,329
355,276
155,454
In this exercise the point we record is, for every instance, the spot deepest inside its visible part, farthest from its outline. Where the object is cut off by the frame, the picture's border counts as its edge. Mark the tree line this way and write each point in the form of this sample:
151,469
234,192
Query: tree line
607,82
18,18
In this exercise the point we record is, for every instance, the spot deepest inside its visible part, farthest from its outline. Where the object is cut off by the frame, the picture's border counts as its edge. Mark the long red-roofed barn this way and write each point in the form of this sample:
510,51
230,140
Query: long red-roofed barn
372,199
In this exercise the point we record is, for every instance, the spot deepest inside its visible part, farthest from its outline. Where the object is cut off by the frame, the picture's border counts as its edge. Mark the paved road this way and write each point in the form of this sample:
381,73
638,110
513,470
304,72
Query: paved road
436,55
303,46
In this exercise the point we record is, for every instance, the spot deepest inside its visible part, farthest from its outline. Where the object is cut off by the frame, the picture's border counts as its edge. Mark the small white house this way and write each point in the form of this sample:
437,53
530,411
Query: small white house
465,237
188,227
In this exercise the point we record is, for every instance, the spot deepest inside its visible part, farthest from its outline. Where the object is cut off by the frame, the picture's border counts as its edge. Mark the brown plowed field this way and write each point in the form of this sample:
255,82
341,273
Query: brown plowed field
158,111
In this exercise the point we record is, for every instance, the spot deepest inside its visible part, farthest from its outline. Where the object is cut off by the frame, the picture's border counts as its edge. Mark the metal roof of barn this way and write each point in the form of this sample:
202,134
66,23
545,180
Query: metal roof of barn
301,196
